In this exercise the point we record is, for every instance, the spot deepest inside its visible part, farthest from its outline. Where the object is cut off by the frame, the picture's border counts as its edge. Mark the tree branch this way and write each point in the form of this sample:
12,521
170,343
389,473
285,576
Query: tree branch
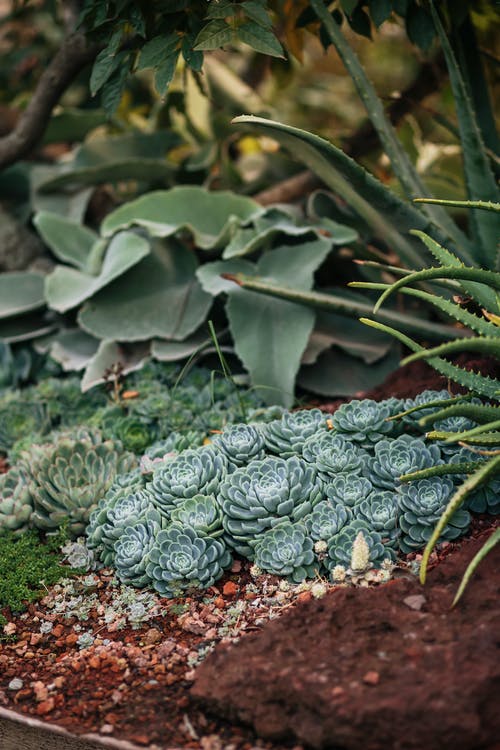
73,55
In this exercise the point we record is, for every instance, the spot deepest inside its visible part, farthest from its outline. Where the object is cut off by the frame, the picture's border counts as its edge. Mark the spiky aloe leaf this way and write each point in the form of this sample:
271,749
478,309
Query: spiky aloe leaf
465,467
466,435
481,384
487,547
485,205
483,436
484,472
476,412
483,344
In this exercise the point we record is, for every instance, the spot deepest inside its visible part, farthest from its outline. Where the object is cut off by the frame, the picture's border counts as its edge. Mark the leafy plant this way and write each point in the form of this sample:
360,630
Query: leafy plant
341,547
286,436
200,512
327,519
16,504
286,550
131,552
393,458
380,511
366,421
240,443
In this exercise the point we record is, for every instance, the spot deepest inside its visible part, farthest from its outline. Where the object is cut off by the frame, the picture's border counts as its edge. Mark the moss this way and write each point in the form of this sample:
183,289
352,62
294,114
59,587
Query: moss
28,567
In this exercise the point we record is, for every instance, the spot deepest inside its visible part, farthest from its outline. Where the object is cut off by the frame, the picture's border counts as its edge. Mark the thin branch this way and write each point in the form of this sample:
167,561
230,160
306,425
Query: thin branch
73,55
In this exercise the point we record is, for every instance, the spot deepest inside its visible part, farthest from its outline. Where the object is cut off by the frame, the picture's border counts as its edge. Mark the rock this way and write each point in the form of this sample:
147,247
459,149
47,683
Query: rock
310,676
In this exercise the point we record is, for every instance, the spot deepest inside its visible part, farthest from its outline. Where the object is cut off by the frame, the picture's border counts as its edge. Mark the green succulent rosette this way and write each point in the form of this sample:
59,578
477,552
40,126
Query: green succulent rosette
135,434
65,403
16,503
348,459
327,519
365,421
421,504
240,443
193,472
324,440
485,499
380,510
202,513
181,559
258,496
403,455
426,397
286,550
19,418
123,486
348,489
341,548
132,550
286,436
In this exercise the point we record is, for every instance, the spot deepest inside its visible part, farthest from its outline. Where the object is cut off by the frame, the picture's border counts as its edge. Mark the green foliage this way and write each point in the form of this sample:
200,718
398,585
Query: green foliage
348,490
365,422
340,547
327,519
19,418
201,513
405,454
240,443
286,436
286,550
16,504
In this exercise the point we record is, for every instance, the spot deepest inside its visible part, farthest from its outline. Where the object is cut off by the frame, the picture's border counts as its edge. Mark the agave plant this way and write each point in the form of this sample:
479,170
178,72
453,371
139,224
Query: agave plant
16,503
286,550
258,496
131,553
286,436
182,559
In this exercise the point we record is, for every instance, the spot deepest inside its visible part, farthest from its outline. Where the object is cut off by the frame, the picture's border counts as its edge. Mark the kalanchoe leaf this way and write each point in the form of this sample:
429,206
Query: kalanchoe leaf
240,443
16,504
286,436
326,519
403,455
258,496
181,559
365,421
286,550
192,472
202,513
348,489
132,553
128,510
340,546
380,510
421,504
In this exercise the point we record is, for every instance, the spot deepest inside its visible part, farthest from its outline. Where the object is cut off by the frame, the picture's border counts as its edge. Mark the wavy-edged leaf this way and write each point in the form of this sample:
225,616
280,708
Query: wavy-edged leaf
24,328
171,351
488,469
211,279
66,288
482,344
20,292
211,217
491,542
70,241
110,353
73,349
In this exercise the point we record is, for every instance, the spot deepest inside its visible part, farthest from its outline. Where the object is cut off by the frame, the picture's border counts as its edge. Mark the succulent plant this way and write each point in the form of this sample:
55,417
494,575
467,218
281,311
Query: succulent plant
123,485
421,504
182,559
202,513
286,550
326,519
426,397
175,442
333,460
370,548
132,551
18,419
365,421
16,504
485,499
240,443
135,434
321,441
286,436
68,478
192,472
65,403
266,491
402,455
380,510
348,489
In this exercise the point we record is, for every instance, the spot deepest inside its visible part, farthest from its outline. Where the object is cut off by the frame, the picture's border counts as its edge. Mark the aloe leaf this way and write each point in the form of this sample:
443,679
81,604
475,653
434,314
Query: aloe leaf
483,439
476,412
473,432
388,216
487,547
442,470
484,205
482,344
479,177
400,162
488,469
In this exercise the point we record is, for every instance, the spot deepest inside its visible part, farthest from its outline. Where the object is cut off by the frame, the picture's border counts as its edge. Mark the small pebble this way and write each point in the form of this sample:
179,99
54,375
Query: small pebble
15,684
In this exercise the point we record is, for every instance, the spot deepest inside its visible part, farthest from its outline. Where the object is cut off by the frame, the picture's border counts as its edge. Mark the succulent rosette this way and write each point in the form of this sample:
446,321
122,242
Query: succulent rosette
132,553
128,510
324,440
334,460
286,436
341,547
286,550
240,443
16,504
365,421
426,397
258,496
348,489
182,559
380,510
202,513
327,519
18,419
135,434
421,504
485,499
193,472
403,455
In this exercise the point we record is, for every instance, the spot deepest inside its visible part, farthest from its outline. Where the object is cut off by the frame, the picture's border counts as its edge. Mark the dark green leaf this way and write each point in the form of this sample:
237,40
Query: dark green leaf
359,22
157,50
104,67
380,10
112,90
419,27
213,35
223,9
260,39
165,72
348,6
256,12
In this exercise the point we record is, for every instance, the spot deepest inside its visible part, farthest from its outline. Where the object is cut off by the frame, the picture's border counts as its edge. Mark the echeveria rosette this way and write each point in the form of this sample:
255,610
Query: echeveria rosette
365,421
132,553
327,519
18,419
182,559
68,478
452,424
485,499
426,397
421,504
340,546
258,496
240,443
193,472
380,510
135,434
202,513
123,485
286,550
333,460
128,510
348,489
403,455
286,436
323,440
175,442
16,504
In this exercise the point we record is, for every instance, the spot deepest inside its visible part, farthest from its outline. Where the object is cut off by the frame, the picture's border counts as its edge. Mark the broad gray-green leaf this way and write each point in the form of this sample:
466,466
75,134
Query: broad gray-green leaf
144,170
70,241
171,351
211,217
24,328
120,148
72,125
160,297
20,292
340,234
73,349
111,353
66,288
71,205
209,274
336,373
248,240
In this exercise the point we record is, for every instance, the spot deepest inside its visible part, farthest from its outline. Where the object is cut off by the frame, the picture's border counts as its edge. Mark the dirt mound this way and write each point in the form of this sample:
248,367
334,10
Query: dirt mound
382,668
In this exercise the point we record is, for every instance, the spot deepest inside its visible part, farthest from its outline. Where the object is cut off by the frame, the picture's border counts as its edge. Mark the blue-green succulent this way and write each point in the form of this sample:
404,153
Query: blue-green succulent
131,553
365,421
202,513
327,519
380,510
426,397
348,489
16,503
333,460
240,443
324,440
485,499
182,559
286,436
403,455
286,550
370,553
